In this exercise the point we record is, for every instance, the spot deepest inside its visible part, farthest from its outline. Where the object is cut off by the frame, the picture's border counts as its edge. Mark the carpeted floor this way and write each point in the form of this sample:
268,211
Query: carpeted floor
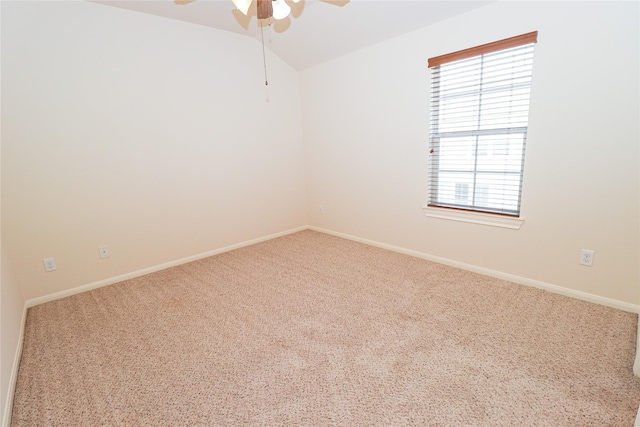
314,330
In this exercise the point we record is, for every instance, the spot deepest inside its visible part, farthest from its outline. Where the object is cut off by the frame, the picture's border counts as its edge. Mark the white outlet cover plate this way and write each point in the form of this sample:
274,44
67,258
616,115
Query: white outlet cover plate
104,251
49,264
586,257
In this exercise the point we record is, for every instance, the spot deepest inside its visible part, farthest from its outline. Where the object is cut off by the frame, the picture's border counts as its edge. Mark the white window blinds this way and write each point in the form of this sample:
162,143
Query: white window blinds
478,126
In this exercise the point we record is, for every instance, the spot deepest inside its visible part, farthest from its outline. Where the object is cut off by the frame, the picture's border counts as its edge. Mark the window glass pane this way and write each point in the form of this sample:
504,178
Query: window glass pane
505,109
500,153
457,154
455,188
458,114
499,192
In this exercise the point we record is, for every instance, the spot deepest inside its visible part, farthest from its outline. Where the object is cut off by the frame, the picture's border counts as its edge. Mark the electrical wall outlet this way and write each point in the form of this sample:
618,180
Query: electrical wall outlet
586,257
49,264
104,252
321,210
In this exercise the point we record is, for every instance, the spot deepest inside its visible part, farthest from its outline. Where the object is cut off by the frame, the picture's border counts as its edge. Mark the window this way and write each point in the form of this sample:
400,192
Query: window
478,128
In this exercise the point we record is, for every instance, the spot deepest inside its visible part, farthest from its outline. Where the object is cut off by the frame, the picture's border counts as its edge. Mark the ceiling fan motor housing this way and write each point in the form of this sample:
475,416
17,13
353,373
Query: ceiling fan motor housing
265,9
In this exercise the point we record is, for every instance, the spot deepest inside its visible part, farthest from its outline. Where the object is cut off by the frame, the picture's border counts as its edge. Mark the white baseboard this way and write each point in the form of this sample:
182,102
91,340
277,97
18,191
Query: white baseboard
8,405
609,302
68,292
584,296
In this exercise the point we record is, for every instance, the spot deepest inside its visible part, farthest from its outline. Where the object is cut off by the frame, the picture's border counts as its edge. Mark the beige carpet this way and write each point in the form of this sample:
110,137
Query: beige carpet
313,330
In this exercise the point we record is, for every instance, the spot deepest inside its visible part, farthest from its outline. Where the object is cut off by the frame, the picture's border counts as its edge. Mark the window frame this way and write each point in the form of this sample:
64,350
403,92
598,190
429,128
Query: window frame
475,215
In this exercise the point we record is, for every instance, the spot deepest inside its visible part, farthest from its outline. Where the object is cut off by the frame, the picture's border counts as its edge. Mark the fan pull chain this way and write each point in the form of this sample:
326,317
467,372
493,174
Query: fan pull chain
264,58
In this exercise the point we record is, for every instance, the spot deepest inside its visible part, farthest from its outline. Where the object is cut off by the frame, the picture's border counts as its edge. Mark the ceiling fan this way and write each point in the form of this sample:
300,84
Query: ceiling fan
278,9
267,9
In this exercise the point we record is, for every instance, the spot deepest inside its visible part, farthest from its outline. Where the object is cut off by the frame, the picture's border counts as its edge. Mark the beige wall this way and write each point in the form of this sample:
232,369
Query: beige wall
366,132
149,135
12,310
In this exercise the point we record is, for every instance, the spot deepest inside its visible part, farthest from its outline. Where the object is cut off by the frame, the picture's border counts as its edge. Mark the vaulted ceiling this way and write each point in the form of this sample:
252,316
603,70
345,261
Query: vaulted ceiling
317,30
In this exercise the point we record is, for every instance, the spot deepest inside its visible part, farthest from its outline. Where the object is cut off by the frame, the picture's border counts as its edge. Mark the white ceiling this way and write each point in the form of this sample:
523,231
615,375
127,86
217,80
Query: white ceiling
316,31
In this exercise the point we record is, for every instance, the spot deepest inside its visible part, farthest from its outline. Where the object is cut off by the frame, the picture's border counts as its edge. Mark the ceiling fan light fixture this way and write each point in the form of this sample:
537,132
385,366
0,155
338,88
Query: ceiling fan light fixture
243,5
280,9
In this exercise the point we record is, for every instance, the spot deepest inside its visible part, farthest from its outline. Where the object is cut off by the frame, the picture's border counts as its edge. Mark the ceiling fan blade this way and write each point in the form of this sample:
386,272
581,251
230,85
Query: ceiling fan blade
242,5
336,2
